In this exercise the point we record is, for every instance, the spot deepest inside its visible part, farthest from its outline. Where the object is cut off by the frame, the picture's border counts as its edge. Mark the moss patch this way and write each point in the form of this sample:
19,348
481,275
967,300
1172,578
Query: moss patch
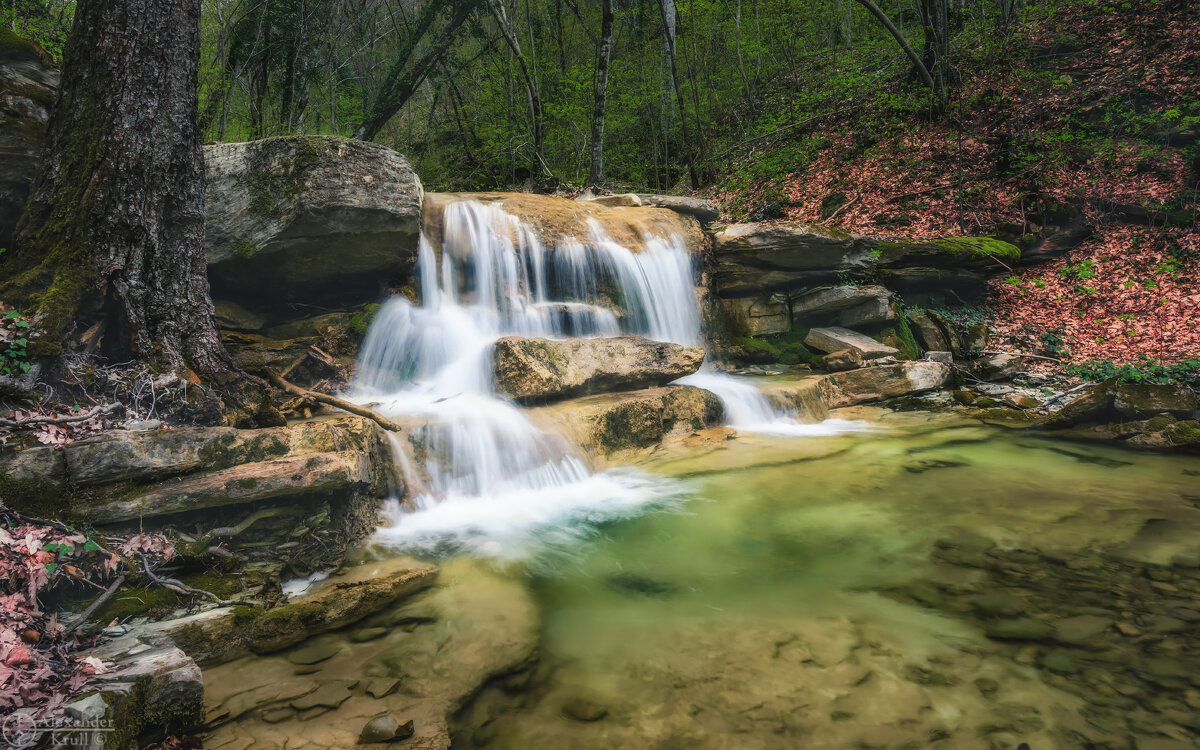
965,251
360,321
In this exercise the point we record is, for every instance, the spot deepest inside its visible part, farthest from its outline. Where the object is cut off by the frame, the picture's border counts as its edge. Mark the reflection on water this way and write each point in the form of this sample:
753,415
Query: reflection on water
928,585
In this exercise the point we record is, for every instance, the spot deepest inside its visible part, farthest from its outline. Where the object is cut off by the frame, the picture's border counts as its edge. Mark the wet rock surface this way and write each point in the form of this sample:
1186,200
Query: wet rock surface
473,628
539,370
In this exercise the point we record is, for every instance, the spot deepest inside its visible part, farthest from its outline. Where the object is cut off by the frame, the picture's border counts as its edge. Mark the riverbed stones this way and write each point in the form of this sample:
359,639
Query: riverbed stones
836,338
1081,629
1019,629
317,220
840,361
581,709
341,601
385,729
1092,404
881,382
539,370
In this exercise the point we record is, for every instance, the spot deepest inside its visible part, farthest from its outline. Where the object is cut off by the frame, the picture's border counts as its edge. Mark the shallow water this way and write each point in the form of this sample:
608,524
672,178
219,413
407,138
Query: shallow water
839,592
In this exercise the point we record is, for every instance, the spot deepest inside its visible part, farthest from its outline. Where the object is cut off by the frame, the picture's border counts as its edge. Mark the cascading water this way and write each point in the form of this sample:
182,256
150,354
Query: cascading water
492,476
494,480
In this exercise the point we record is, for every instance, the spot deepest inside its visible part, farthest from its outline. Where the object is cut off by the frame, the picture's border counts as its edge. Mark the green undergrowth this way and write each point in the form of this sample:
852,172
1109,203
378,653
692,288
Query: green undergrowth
1184,372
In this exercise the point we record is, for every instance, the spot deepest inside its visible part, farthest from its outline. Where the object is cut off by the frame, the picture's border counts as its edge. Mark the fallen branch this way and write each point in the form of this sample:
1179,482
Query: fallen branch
98,411
181,588
1065,393
342,404
112,589
1031,356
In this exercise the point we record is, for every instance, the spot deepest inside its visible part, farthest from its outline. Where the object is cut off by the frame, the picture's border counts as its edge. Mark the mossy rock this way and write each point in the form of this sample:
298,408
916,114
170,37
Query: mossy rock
953,252
15,47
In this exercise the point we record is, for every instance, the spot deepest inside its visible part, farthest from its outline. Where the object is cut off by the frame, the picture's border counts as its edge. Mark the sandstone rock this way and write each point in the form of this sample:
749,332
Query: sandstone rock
883,382
757,316
705,212
342,601
581,709
1091,405
946,358
1141,400
997,366
312,219
950,330
292,477
231,315
833,339
928,334
756,258
825,301
542,370
870,313
609,423
156,691
385,729
28,81
983,253
846,359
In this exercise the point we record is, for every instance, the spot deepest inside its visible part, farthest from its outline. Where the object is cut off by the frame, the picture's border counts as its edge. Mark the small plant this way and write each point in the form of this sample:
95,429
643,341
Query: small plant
14,355
1039,283
1054,343
1014,280
1084,269
1185,371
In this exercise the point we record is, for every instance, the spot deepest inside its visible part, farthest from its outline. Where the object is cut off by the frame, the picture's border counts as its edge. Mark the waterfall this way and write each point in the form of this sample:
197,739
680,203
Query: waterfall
493,478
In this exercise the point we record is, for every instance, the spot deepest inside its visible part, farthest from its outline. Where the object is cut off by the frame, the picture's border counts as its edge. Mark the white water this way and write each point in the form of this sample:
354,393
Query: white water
495,482
496,485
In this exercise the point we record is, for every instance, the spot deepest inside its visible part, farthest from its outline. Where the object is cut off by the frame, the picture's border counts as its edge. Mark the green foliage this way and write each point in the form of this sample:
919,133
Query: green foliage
1054,343
14,356
1185,371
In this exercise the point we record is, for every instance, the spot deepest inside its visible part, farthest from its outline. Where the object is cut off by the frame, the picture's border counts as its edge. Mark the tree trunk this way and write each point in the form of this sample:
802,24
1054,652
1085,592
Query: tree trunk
935,17
917,62
596,171
667,8
114,229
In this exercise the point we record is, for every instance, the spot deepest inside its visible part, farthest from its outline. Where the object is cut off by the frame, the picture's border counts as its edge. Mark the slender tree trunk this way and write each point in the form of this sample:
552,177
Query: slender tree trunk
533,97
935,18
668,17
596,171
917,62
114,229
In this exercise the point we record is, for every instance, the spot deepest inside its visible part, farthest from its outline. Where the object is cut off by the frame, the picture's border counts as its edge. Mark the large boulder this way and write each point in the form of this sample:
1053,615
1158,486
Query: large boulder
297,497
1141,400
883,382
835,339
28,81
531,370
309,220
754,258
757,316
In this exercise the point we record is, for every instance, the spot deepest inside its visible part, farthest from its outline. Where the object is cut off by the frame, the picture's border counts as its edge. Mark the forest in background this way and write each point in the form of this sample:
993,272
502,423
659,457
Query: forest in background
1043,111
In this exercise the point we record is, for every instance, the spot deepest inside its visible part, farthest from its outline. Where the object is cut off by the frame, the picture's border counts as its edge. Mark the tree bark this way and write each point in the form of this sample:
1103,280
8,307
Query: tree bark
667,9
114,229
596,171
917,62
935,17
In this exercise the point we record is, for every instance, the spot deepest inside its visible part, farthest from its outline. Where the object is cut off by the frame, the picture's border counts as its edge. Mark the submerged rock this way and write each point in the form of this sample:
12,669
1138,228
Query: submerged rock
385,729
311,219
581,709
544,370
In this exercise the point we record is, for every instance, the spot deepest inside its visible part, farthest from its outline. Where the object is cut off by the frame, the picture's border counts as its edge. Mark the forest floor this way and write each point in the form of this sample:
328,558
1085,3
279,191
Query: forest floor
1092,106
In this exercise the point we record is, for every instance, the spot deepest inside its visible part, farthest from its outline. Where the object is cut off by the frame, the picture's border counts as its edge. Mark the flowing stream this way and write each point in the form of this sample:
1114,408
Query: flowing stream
492,476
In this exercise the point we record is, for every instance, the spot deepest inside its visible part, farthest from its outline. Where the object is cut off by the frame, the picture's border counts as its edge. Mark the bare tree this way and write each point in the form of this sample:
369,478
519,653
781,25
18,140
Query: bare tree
596,171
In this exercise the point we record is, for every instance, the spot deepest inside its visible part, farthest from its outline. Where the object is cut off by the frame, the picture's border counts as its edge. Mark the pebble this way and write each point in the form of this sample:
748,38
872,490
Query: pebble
382,686
314,653
362,635
583,710
1081,629
385,729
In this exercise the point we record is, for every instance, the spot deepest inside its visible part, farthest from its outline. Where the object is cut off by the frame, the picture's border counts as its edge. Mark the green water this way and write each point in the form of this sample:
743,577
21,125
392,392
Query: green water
934,584
824,593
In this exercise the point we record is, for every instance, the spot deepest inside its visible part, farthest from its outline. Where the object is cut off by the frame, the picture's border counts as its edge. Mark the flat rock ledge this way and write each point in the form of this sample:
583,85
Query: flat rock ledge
540,370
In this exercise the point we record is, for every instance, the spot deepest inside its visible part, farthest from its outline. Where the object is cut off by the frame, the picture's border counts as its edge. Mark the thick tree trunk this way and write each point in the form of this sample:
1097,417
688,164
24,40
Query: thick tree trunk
917,62
596,171
114,230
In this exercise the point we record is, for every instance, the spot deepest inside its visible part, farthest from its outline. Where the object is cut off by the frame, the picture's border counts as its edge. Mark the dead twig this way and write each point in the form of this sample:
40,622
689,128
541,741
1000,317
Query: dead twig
181,588
96,412
342,404
100,600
